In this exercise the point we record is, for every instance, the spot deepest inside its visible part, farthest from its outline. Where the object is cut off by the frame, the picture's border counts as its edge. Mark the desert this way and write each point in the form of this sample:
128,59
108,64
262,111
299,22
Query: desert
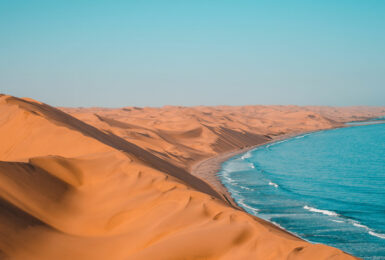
95,183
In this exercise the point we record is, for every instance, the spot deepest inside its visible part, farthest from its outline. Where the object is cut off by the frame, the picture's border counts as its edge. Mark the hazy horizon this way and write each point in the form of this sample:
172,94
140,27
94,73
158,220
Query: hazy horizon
156,53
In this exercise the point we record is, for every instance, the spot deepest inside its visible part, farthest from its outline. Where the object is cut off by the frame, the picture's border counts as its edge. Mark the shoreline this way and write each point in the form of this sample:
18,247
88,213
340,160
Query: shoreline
129,181
207,169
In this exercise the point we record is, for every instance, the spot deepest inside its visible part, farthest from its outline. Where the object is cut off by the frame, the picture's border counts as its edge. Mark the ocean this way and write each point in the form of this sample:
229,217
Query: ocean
325,187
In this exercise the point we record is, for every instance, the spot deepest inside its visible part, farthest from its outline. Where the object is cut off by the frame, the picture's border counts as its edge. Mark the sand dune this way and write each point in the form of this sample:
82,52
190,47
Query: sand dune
185,135
115,183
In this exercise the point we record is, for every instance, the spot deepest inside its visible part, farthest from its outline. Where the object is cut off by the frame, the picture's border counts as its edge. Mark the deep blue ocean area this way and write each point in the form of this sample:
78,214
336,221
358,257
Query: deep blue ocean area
326,187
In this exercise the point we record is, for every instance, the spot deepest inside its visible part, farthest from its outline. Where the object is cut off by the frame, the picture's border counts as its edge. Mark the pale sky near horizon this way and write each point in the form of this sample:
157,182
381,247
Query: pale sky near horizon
198,52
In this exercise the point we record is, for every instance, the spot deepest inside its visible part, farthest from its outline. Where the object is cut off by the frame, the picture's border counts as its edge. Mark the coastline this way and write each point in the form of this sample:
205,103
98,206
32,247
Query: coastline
116,182
208,169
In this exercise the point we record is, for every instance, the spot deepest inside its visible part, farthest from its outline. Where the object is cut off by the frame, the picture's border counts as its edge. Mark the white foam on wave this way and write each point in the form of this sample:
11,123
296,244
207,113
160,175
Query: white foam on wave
234,193
301,136
237,165
246,155
370,231
273,184
248,208
377,234
244,187
353,222
360,225
252,165
278,142
232,182
322,211
227,178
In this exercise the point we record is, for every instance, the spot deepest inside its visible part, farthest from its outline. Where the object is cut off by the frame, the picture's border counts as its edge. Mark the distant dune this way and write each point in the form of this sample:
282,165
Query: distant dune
94,183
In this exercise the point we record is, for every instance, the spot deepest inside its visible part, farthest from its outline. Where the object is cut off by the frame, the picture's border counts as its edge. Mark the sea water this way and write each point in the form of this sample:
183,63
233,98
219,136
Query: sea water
326,187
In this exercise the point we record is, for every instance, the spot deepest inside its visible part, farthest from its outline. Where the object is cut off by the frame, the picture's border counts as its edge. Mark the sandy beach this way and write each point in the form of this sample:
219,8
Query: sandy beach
97,183
208,169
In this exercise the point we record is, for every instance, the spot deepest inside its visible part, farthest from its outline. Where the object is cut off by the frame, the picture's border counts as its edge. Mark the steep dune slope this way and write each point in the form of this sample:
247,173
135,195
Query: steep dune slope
71,191
38,129
124,210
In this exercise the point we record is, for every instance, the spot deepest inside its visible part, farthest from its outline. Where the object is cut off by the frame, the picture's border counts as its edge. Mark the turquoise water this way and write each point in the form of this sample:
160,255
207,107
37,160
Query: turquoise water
326,187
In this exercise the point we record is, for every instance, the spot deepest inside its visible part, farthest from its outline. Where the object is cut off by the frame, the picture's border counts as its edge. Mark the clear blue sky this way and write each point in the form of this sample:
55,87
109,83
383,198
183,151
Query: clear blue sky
197,52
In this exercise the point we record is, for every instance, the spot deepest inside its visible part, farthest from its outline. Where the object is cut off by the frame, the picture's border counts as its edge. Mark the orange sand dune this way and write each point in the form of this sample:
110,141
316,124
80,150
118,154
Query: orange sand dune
185,135
115,183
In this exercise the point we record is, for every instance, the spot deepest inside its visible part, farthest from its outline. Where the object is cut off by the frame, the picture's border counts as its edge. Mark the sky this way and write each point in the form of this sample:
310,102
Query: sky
198,52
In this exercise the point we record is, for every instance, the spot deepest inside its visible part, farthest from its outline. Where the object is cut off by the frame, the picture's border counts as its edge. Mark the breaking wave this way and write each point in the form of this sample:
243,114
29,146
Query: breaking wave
246,155
370,231
322,211
273,184
248,208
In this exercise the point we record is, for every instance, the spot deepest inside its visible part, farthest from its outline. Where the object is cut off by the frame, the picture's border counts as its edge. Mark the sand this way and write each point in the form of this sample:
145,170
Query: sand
99,183
207,169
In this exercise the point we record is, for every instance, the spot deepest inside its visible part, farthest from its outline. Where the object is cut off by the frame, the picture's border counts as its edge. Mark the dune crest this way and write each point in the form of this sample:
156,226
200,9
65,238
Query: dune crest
114,183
